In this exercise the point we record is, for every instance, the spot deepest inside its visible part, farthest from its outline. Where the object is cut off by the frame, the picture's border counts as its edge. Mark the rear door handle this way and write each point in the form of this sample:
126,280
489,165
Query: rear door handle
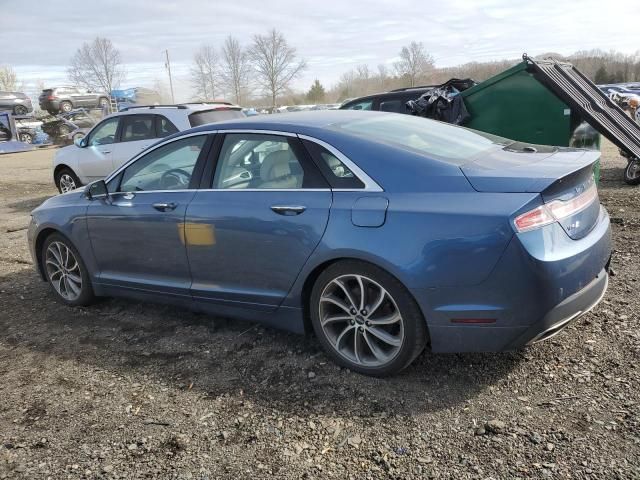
165,207
288,209
105,151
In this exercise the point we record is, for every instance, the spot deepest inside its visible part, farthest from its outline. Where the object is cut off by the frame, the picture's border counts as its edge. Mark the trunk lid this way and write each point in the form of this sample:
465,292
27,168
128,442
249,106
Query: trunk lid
523,167
562,176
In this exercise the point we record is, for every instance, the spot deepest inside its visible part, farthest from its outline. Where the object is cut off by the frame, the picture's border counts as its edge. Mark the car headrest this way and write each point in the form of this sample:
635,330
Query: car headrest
275,165
139,127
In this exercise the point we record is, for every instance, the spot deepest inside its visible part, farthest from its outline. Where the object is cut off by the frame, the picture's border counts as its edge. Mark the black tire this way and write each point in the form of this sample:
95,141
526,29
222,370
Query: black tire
632,172
20,110
64,130
86,296
415,329
66,106
25,137
61,180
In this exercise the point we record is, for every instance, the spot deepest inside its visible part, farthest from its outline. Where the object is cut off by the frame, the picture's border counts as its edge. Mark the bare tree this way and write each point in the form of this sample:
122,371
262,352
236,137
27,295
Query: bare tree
97,66
383,75
414,62
8,78
205,72
235,69
275,63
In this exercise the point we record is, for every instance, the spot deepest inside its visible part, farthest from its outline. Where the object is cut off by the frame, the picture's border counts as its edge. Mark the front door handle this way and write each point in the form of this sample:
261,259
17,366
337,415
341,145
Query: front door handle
165,207
288,209
105,151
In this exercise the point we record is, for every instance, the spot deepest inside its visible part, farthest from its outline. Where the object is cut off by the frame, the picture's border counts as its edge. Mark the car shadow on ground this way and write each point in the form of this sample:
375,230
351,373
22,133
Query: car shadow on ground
24,206
216,356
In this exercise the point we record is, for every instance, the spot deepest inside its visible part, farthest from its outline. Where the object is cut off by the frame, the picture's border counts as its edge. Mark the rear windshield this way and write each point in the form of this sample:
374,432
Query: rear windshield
209,116
455,144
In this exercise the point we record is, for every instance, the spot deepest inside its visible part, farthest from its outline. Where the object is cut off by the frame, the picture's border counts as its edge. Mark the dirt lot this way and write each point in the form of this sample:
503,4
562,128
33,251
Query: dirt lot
128,390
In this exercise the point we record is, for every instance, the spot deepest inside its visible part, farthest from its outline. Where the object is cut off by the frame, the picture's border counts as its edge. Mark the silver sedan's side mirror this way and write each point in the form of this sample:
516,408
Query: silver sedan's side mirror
80,142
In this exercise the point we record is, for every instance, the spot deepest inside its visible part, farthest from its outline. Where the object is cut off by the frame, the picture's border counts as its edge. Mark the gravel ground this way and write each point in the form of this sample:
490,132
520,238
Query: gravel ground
129,390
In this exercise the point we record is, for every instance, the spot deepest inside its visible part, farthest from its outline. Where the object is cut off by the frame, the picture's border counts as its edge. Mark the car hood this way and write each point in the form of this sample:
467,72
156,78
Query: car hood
530,169
72,198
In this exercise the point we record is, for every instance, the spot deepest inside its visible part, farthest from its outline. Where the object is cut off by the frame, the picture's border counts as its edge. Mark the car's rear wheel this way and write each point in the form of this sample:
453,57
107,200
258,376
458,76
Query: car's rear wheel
365,319
66,106
66,180
66,272
632,172
26,137
20,110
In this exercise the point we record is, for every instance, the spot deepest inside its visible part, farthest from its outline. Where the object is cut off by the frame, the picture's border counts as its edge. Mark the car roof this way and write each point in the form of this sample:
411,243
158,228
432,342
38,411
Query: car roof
393,93
294,122
191,107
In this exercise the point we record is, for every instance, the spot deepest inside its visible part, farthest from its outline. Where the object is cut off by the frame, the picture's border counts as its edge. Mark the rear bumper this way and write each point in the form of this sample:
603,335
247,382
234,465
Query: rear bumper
543,281
566,312
50,104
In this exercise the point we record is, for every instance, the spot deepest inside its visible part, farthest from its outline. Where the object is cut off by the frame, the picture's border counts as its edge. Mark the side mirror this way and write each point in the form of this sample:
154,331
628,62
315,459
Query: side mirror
96,190
78,142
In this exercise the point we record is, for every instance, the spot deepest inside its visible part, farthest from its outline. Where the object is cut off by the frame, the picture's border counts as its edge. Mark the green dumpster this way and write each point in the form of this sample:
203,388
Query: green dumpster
515,105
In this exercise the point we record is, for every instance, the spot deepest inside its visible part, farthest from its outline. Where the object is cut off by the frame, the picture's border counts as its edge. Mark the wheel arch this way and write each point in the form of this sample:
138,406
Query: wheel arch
40,239
312,276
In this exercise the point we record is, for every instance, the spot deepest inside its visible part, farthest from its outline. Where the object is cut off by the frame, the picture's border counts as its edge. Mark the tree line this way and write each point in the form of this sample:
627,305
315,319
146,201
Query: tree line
262,72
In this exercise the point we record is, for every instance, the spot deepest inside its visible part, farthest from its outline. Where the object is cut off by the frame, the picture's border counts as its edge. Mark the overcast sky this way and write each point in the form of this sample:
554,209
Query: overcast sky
333,36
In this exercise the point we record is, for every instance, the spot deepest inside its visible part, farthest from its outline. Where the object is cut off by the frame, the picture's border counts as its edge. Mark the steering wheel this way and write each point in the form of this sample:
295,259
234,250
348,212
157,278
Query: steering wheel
175,178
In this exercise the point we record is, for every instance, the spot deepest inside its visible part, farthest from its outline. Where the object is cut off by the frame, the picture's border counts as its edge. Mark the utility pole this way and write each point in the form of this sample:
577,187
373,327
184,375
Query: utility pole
168,65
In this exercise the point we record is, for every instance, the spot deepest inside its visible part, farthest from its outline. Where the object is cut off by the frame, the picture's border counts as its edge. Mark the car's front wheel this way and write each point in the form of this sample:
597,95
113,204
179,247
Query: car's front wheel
66,180
66,272
365,319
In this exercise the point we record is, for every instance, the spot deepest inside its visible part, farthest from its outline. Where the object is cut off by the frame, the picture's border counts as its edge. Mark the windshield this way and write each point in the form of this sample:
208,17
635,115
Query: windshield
210,116
424,136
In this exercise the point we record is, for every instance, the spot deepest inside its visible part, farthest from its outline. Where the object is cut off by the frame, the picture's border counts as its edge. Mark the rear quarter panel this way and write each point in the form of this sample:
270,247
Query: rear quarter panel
428,240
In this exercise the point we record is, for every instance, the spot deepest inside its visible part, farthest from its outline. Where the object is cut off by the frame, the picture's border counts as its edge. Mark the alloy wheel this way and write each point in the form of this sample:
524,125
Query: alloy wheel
67,183
63,271
633,170
361,320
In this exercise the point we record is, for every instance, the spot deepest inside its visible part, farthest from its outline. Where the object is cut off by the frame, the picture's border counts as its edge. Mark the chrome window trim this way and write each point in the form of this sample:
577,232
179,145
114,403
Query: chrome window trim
370,185
259,132
116,172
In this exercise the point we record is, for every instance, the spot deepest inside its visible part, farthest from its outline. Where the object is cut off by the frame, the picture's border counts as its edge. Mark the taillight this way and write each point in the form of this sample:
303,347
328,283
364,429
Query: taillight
555,210
51,97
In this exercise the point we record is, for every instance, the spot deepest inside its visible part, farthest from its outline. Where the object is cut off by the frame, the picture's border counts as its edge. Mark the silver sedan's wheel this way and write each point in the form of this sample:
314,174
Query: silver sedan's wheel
361,320
67,183
63,271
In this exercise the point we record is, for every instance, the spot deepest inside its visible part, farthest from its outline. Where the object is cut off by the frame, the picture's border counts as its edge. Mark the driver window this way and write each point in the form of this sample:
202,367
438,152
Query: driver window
105,133
166,168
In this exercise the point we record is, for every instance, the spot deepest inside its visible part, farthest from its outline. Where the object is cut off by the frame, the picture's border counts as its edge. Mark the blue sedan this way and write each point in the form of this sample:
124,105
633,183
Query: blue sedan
381,233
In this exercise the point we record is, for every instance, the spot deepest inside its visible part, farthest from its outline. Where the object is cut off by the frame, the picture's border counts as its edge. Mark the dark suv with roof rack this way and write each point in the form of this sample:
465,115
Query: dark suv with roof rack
393,101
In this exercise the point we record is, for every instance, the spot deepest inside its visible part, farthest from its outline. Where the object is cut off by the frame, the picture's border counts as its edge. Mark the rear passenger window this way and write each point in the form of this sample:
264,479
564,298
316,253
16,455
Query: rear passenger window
137,127
394,106
366,105
337,173
164,126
